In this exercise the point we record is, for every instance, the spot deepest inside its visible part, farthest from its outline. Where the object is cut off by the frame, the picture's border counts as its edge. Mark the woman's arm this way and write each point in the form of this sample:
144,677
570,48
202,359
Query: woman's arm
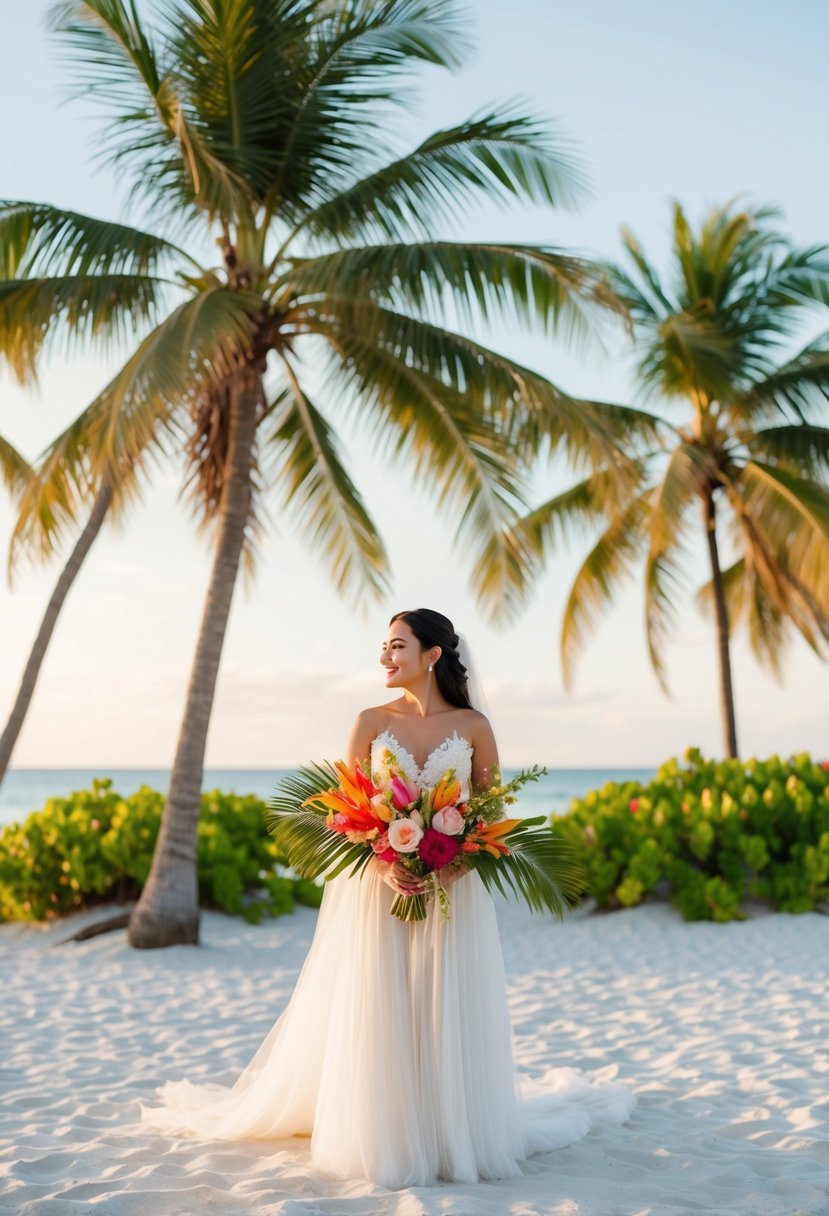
362,733
486,770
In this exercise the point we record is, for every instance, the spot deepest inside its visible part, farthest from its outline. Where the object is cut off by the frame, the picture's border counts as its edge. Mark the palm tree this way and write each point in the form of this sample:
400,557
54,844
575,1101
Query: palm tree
748,456
34,662
262,126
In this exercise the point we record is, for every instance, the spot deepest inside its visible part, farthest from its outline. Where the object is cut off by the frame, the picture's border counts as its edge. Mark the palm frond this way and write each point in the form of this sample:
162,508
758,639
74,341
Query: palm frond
15,470
800,449
647,300
346,73
516,284
748,602
664,585
677,491
38,240
541,868
790,574
799,389
530,407
312,849
154,136
453,447
784,502
98,309
131,420
534,538
321,498
497,155
678,488
802,278
789,517
604,569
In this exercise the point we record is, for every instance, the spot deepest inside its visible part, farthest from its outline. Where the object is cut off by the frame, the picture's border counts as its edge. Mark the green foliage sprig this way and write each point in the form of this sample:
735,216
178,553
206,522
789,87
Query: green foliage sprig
96,846
709,836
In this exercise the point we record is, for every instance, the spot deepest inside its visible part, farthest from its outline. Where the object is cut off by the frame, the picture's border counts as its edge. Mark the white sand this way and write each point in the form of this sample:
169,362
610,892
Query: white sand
722,1031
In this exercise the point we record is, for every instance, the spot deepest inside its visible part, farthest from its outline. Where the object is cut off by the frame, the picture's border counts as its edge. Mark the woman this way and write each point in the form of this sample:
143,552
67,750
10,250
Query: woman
394,1053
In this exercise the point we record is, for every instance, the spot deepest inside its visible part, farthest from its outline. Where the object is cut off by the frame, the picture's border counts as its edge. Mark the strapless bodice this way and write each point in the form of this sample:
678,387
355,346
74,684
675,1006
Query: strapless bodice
454,752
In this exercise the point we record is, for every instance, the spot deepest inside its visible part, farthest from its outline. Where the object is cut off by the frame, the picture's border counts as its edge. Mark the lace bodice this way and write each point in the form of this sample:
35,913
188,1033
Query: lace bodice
454,752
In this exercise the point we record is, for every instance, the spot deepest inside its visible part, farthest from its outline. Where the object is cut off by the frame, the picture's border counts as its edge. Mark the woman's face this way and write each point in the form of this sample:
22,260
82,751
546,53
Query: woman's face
402,657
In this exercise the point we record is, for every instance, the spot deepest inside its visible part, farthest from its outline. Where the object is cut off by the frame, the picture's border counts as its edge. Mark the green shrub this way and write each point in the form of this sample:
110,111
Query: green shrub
709,834
97,846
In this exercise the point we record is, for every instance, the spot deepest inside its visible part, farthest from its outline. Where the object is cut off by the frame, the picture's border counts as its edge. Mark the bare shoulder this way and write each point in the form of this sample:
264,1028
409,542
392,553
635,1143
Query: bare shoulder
367,720
367,725
376,715
475,724
476,718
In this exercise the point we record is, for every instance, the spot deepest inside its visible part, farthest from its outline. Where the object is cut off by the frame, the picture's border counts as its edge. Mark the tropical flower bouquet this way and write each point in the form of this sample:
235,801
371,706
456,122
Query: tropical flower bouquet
327,818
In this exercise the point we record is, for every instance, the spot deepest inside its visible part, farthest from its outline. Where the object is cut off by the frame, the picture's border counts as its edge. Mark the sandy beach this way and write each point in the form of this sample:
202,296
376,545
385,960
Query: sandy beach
721,1031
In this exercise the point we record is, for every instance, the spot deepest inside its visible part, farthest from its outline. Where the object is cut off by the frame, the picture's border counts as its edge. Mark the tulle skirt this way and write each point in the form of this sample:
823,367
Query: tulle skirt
394,1054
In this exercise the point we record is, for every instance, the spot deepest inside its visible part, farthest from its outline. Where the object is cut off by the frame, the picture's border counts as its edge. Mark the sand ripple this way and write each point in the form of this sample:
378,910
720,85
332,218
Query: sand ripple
721,1030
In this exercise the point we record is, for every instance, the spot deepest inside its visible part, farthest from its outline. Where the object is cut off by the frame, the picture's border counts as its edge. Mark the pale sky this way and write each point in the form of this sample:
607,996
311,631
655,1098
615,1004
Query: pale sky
665,100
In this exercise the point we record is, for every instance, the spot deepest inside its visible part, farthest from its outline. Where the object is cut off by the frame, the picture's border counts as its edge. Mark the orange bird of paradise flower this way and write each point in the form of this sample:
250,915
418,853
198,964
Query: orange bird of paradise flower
488,836
446,792
353,799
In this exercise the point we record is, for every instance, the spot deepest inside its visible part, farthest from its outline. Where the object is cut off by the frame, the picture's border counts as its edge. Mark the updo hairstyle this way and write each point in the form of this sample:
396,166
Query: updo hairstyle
434,629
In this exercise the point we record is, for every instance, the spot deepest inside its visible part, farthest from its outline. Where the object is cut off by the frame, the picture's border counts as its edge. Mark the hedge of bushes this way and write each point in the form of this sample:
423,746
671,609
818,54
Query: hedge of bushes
708,835
96,846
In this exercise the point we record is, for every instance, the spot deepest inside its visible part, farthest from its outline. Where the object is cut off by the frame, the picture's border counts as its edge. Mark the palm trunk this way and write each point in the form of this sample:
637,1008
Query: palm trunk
721,617
47,626
167,912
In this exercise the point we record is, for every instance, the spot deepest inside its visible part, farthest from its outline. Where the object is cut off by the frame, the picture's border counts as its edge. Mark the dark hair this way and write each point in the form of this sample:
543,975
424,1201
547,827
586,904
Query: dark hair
434,629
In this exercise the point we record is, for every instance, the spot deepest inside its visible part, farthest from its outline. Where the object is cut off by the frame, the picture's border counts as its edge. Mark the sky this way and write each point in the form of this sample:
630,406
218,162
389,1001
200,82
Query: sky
700,103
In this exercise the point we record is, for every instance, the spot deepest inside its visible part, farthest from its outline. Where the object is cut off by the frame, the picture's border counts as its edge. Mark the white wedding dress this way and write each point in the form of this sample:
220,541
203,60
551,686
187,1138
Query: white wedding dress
394,1052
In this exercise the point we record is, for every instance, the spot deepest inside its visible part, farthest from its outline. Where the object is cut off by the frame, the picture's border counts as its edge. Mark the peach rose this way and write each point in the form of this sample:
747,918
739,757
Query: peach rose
449,821
404,836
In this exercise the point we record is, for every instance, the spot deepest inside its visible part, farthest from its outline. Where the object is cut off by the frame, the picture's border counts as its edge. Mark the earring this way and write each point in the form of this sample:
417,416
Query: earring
430,666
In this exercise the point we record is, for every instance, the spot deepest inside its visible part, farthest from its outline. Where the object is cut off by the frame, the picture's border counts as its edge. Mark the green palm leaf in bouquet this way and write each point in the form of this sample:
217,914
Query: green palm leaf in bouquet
518,857
312,849
540,868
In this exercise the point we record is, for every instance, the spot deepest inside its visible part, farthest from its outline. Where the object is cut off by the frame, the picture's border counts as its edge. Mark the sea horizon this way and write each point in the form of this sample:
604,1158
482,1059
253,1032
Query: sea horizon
27,788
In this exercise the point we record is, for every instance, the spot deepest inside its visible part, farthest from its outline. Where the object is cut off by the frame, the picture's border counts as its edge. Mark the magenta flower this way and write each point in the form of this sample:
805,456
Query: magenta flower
437,850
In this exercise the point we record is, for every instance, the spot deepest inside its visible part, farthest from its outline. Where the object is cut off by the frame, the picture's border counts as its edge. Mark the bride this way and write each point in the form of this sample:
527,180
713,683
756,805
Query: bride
395,1051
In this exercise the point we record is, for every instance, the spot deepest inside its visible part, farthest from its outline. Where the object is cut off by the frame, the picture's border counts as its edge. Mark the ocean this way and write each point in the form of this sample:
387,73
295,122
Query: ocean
27,789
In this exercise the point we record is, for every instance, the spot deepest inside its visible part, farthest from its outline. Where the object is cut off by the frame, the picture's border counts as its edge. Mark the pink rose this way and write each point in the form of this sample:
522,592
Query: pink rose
383,849
403,793
449,821
404,836
437,850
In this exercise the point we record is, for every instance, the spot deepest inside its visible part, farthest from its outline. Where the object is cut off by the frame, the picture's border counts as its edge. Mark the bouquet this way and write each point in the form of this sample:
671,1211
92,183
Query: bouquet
329,817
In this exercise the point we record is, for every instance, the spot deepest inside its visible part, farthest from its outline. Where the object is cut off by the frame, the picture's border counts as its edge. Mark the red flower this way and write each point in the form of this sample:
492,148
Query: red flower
437,850
634,805
825,766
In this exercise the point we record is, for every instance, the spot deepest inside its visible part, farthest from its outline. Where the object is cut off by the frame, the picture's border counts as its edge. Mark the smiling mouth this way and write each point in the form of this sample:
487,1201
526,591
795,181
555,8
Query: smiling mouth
390,671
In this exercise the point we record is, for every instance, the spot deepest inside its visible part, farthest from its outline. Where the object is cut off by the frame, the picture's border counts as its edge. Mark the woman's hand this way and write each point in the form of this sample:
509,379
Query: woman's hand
453,873
396,876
